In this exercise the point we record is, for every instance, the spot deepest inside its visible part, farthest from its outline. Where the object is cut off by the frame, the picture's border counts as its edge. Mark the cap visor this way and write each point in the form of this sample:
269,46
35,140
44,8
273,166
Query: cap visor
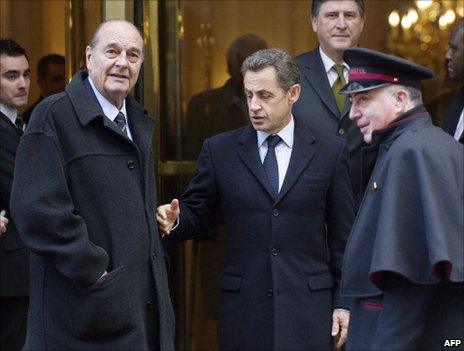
355,87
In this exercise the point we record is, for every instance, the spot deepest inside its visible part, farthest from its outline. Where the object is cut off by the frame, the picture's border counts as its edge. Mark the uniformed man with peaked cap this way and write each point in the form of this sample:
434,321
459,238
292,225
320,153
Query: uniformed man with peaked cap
403,263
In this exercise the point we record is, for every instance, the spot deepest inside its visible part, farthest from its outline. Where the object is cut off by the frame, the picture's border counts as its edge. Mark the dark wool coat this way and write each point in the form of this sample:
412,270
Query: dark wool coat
404,259
84,202
317,107
281,268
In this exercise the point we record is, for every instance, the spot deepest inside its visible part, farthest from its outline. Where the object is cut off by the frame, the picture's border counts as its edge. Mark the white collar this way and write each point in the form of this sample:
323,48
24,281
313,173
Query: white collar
328,62
286,134
9,111
108,108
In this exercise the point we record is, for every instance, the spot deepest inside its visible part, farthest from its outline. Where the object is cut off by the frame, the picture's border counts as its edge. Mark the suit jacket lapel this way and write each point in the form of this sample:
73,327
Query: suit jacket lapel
314,73
302,154
346,108
7,120
248,152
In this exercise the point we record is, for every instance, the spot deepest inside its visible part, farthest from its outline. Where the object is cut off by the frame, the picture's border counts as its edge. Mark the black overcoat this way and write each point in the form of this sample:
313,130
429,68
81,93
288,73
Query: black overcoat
280,274
84,202
404,259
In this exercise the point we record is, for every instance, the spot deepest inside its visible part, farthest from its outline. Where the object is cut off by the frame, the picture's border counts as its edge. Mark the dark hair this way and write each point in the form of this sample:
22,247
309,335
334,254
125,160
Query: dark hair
42,65
9,47
316,7
287,70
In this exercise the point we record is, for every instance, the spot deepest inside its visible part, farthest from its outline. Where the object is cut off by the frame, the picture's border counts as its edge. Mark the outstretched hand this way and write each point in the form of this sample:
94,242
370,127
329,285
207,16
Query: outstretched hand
167,215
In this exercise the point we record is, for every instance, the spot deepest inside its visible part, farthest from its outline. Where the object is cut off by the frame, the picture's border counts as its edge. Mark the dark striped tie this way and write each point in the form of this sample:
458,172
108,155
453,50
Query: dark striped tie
19,121
270,163
120,121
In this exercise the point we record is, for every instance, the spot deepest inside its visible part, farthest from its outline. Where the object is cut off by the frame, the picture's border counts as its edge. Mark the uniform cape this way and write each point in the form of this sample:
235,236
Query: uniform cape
411,218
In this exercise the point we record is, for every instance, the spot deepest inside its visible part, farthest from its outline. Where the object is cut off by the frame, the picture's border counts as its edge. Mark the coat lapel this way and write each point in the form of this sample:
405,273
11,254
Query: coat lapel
302,154
248,152
314,73
140,124
7,120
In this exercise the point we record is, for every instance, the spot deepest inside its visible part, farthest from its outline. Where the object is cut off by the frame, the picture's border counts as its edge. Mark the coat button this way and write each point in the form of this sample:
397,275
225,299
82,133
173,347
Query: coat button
274,251
153,256
275,212
131,164
150,304
269,293
341,131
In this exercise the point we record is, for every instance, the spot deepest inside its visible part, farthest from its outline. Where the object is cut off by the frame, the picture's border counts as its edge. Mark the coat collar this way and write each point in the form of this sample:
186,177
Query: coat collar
86,112
412,119
302,153
313,71
87,109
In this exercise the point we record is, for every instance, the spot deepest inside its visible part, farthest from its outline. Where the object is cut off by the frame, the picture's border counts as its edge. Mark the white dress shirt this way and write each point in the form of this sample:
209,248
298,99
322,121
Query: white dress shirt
283,150
109,109
332,75
459,127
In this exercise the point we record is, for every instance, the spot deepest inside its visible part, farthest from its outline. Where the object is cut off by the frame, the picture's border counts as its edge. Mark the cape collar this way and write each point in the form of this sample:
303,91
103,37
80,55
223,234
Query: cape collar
398,125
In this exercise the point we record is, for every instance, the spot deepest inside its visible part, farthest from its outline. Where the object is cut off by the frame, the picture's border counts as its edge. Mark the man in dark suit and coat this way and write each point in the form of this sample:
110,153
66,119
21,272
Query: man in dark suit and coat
403,264
338,25
453,123
278,185
14,256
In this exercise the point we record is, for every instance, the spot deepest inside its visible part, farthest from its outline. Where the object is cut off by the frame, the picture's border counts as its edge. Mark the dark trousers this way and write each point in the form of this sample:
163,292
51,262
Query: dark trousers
13,321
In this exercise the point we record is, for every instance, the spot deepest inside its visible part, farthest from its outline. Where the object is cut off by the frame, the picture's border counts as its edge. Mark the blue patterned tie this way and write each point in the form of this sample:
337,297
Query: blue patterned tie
120,121
270,163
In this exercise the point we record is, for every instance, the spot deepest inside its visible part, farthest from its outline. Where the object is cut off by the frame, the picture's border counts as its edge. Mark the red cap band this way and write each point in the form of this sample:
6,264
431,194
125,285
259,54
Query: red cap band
360,75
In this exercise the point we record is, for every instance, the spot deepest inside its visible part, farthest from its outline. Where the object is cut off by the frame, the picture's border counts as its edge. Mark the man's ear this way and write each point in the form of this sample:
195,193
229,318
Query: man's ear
88,55
313,21
401,100
402,96
294,93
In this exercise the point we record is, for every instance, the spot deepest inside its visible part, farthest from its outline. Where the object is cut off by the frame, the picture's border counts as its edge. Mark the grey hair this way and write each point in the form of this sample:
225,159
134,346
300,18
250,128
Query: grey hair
96,34
287,71
415,95
316,7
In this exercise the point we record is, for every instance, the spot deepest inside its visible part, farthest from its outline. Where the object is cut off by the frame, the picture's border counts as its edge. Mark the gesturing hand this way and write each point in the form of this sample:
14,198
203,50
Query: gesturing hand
340,322
3,223
166,216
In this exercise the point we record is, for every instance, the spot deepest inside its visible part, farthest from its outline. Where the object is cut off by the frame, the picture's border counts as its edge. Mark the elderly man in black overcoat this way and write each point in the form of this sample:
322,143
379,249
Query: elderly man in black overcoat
404,260
83,199
278,185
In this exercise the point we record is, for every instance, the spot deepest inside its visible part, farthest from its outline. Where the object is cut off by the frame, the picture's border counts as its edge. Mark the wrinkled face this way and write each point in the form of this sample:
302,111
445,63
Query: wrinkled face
338,25
14,80
455,55
269,105
373,110
114,63
55,80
